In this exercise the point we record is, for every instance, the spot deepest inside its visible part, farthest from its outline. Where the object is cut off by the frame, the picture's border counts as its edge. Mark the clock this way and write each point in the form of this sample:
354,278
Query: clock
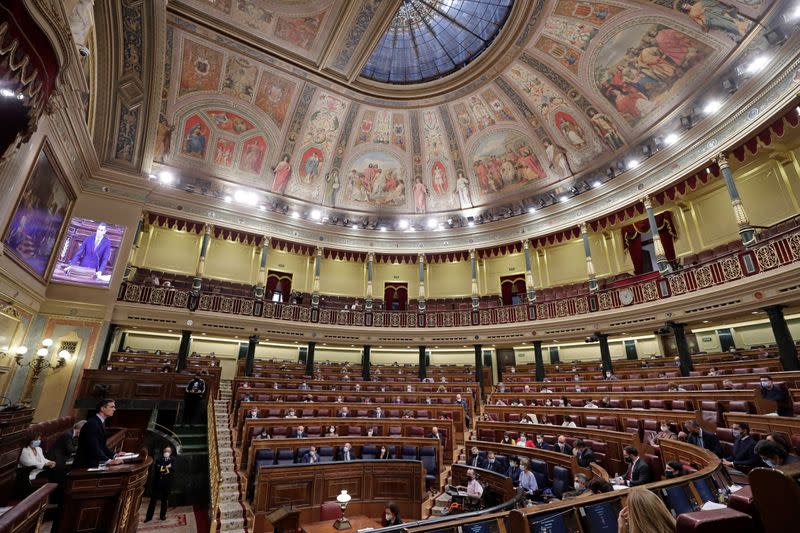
626,296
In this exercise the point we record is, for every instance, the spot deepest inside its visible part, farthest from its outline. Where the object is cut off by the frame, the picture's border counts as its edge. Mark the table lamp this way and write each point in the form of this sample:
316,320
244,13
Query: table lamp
342,522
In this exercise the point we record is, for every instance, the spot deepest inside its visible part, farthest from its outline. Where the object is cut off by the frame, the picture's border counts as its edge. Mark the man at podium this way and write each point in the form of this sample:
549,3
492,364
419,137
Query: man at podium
92,449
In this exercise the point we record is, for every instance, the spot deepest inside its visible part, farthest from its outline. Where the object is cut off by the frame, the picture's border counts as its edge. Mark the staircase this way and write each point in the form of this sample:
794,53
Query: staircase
230,511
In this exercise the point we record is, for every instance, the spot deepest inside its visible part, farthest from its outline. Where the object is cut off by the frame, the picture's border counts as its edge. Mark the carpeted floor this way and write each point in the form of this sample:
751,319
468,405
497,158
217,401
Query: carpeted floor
179,520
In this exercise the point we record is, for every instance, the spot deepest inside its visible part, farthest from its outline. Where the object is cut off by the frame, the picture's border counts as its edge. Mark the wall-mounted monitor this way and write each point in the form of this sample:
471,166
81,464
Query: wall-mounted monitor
563,522
705,489
679,499
88,253
487,526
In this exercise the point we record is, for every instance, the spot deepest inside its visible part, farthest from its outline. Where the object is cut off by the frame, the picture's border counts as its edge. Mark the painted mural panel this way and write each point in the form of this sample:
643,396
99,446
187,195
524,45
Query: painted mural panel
274,96
195,137
504,161
240,78
224,152
715,17
324,121
382,127
201,68
644,65
229,121
375,179
299,31
254,152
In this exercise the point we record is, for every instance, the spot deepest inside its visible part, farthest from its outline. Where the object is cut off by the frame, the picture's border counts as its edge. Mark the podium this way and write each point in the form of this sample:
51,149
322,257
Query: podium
104,501
285,520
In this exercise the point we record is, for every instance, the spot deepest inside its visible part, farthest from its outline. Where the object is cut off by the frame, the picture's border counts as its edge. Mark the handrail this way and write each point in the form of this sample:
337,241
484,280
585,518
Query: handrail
213,465
169,435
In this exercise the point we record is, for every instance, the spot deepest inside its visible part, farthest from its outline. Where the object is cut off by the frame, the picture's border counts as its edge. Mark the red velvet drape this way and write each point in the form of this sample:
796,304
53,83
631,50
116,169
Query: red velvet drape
509,285
402,297
632,238
397,292
285,280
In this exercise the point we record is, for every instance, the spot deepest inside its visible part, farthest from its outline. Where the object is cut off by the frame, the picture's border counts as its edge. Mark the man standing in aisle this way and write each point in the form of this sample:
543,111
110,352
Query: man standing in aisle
162,483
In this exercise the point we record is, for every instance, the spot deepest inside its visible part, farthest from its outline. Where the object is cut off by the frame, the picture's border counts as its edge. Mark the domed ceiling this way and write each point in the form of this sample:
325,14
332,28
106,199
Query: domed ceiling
270,95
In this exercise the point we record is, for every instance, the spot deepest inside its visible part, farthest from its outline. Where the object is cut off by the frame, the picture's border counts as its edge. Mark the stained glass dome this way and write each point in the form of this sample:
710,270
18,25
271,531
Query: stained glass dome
428,39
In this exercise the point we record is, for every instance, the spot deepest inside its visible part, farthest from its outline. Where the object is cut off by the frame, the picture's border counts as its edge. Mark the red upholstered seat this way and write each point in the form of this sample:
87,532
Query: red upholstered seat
330,511
716,521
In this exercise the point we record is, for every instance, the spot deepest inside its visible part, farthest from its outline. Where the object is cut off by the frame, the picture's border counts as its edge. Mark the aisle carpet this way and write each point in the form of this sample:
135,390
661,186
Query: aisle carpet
179,520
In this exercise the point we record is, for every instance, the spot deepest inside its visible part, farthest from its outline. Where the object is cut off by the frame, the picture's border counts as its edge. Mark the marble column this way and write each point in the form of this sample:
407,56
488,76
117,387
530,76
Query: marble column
528,272
661,257
370,263
421,298
588,252
197,283
746,231
260,287
473,259
137,240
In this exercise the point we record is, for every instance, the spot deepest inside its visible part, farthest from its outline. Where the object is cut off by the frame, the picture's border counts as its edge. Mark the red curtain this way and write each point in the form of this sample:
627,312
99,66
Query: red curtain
274,279
510,285
402,297
397,292
632,238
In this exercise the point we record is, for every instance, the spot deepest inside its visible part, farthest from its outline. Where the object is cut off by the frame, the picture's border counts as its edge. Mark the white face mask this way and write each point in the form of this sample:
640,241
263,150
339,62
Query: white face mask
388,517
166,455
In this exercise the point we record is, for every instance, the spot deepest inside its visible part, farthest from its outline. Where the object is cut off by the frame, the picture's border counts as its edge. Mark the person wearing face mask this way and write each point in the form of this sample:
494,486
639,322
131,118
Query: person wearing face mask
164,471
310,456
744,457
32,456
774,455
779,395
638,470
331,432
391,515
508,440
541,444
527,480
252,413
264,435
384,453
346,453
493,464
699,437
664,433
513,470
579,482
562,446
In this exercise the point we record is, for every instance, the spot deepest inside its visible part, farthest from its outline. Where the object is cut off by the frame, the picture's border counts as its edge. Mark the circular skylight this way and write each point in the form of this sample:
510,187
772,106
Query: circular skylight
428,39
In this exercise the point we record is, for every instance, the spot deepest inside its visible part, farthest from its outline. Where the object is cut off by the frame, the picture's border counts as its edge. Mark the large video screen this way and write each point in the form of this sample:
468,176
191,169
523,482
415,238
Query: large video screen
88,253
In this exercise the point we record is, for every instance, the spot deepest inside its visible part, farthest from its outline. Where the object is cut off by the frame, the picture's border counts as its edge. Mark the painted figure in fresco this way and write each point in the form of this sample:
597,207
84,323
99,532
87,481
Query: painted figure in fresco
251,160
312,167
714,15
376,185
195,143
283,171
163,139
528,166
462,190
557,159
439,178
331,188
605,129
224,153
420,194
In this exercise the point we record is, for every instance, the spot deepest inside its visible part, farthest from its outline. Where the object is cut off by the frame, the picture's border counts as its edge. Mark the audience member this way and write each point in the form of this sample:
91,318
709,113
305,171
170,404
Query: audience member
645,512
434,434
391,515
568,422
780,395
674,469
599,485
300,433
527,481
590,404
507,439
605,403
475,458
727,384
524,442
664,433
311,455
744,457
32,455
513,470
252,413
780,438
774,455
290,414
583,454
541,444
699,437
63,449
493,464
384,453
579,482
346,453
562,446
331,432
193,404
638,470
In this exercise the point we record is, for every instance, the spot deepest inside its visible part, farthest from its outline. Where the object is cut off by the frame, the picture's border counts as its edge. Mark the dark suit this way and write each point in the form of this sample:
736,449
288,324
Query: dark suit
438,437
476,461
709,441
744,456
63,449
544,446
164,471
585,457
495,466
251,415
781,396
639,473
299,435
513,473
308,459
92,449
567,449
341,455
89,256
342,414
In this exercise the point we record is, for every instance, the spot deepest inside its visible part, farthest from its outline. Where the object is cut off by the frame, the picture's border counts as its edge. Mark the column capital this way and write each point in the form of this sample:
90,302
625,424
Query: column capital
473,253
371,257
648,203
421,257
722,160
208,228
318,251
584,229
774,309
267,240
526,244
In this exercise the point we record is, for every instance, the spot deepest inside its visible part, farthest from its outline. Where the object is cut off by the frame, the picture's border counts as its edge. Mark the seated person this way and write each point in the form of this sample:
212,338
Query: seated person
527,480
290,414
675,388
568,422
331,432
475,459
780,395
599,485
605,403
541,444
645,511
694,434
32,455
493,464
384,453
579,483
434,434
263,435
344,413
744,457
562,446
664,433
727,384
774,455
513,470
524,442
299,433
507,439
391,515
253,413
346,453
63,449
674,469
638,470
590,404
583,454
310,456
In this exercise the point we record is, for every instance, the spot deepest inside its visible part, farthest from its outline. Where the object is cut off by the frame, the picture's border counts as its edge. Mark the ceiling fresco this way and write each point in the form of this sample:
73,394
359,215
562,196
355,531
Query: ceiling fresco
590,80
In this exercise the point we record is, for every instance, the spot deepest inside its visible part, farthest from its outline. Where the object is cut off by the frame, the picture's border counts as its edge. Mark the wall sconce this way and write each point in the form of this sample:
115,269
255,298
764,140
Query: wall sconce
40,363
342,522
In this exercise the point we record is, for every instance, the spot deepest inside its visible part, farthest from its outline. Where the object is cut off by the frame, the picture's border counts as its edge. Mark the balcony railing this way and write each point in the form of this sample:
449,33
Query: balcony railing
778,251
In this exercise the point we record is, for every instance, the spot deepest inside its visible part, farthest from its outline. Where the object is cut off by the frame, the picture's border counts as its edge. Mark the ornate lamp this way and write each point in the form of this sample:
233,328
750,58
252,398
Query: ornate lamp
342,522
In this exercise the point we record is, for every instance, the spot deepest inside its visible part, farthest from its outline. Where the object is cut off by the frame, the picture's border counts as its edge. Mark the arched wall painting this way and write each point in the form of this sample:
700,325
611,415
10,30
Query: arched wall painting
223,154
439,181
310,165
195,137
253,152
644,66
230,122
504,161
376,179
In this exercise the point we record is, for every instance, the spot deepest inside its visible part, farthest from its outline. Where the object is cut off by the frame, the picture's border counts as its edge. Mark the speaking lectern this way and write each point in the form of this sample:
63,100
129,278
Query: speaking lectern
285,520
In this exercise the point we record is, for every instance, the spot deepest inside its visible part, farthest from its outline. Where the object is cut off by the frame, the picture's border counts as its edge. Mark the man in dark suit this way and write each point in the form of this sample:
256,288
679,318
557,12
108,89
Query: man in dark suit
562,446
346,453
65,445
744,457
475,459
542,444
434,434
252,413
92,449
378,413
700,437
164,471
93,252
193,404
583,454
300,433
638,470
780,395
513,470
310,456
493,464
344,413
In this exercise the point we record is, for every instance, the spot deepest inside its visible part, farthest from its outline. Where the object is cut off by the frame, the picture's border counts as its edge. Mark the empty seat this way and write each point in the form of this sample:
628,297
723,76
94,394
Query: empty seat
285,456
264,457
409,453
427,454
369,451
608,422
539,469
561,480
325,454
355,430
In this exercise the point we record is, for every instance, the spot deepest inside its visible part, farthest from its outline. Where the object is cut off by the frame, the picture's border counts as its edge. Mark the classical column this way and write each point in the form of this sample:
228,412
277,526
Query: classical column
539,359
260,287
137,240
588,251
317,268
683,347
528,272
365,362
423,362
661,257
123,337
479,367
112,329
183,350
473,259
197,283
605,353
368,301
250,355
783,338
746,231
310,359
421,298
